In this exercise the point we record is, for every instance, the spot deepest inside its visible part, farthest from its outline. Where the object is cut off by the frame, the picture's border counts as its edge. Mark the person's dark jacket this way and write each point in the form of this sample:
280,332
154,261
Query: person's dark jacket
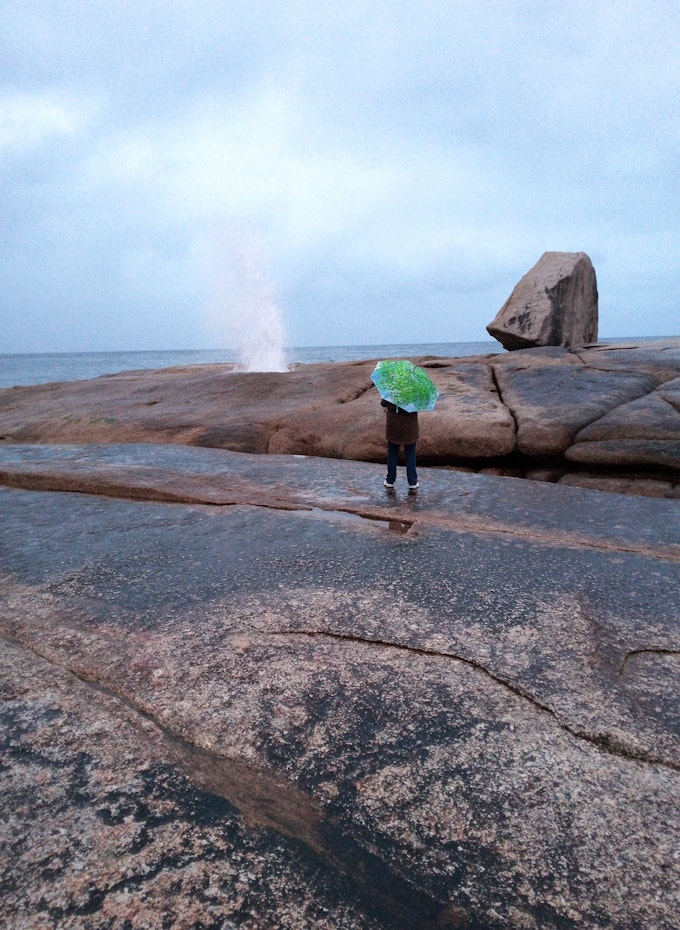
401,427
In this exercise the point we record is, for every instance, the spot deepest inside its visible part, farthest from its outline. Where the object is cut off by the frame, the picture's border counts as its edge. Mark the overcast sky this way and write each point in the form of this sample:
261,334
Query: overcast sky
386,171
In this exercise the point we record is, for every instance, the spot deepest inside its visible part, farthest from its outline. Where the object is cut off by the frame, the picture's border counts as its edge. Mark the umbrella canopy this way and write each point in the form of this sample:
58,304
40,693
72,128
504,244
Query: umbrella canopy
405,385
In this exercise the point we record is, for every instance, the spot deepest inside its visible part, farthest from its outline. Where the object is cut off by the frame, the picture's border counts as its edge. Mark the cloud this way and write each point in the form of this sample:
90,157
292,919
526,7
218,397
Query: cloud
30,120
401,165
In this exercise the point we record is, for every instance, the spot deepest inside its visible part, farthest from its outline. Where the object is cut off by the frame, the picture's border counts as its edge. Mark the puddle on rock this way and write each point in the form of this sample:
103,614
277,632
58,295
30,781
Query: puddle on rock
358,520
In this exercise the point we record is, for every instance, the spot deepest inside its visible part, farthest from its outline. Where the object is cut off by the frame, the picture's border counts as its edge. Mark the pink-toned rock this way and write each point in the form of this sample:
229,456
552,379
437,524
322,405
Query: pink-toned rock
607,405
554,304
622,484
660,357
202,405
264,718
329,409
470,421
553,397
645,432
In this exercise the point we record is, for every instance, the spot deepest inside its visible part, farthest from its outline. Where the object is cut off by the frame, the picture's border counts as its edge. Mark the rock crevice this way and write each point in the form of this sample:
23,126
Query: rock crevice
607,742
647,651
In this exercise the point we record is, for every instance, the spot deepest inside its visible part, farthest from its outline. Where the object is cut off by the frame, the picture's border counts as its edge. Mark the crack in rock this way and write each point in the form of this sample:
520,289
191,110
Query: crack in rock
265,801
606,742
650,650
214,497
494,378
355,395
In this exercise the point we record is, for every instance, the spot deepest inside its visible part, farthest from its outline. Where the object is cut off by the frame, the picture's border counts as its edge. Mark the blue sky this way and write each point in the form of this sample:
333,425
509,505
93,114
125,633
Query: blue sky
383,171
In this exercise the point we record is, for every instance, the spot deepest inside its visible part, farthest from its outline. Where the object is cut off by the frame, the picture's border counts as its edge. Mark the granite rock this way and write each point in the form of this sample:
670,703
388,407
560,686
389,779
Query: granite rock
204,405
112,821
470,420
660,357
641,432
553,398
621,483
554,304
604,406
318,712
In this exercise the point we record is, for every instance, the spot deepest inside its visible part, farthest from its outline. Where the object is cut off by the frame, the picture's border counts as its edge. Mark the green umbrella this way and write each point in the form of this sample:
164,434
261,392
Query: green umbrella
405,385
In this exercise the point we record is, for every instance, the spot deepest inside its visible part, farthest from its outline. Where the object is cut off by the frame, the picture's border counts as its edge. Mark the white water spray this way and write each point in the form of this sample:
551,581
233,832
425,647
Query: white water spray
257,321
241,312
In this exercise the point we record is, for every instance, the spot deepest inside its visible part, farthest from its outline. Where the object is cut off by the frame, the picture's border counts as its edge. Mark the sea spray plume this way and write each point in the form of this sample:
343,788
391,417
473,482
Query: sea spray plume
257,321
240,313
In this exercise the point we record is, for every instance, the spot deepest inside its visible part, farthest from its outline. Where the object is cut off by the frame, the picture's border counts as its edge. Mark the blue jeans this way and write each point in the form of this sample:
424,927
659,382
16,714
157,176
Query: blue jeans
393,458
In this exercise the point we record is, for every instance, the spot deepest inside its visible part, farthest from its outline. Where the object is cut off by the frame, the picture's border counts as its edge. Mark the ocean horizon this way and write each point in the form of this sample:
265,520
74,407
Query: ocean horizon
19,369
27,368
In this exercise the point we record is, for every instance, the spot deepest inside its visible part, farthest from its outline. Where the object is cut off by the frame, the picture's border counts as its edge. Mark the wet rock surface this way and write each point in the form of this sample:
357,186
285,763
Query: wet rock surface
604,414
553,402
267,693
111,822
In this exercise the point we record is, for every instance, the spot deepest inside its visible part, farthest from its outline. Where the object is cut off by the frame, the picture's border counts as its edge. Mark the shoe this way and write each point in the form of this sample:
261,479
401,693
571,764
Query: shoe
388,484
414,487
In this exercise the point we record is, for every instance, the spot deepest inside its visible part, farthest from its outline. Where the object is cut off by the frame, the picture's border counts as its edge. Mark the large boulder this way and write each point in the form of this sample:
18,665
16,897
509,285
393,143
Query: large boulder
469,422
554,304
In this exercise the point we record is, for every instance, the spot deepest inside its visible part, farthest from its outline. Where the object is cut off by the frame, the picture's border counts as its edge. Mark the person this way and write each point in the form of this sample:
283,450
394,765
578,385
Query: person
401,429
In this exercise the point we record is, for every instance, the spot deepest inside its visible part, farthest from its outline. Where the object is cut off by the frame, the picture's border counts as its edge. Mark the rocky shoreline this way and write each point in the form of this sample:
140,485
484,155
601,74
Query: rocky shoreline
247,690
602,416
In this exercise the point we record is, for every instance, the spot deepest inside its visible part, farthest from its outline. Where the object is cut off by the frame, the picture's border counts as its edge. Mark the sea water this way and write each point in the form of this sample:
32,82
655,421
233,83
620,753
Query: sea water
41,368
27,368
